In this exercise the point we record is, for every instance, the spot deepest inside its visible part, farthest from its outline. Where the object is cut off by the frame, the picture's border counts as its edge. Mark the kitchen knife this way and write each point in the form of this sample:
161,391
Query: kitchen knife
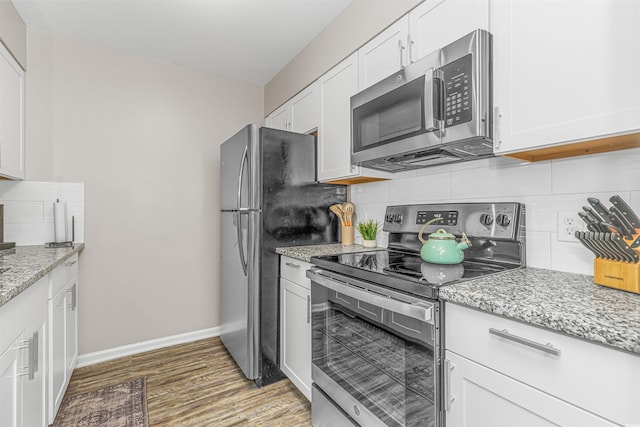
601,209
621,222
611,227
635,243
580,236
591,225
626,210
620,254
594,218
630,254
595,240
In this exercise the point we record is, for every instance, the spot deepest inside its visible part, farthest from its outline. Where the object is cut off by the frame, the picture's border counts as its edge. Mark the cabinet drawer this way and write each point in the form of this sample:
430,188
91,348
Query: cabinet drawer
295,271
599,379
62,274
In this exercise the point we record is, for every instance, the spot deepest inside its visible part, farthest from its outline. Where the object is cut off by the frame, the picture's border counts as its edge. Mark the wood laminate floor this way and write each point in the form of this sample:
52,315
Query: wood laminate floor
199,384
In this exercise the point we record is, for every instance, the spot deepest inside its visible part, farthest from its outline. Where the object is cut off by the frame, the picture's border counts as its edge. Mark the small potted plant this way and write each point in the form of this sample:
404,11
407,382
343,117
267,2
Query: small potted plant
368,230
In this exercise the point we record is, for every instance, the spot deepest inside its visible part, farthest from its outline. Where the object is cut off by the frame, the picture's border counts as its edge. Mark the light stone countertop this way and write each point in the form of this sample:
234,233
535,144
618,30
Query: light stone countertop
27,264
304,253
564,302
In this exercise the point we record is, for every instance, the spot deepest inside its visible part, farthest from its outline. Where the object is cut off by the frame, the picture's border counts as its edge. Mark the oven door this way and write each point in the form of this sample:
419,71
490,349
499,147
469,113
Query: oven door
374,352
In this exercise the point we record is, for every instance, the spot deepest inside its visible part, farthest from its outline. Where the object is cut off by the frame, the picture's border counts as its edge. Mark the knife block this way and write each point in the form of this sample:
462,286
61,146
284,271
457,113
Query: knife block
617,274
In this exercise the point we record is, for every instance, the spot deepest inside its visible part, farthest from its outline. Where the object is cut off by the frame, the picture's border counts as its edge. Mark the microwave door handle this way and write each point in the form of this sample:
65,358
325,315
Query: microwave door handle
429,114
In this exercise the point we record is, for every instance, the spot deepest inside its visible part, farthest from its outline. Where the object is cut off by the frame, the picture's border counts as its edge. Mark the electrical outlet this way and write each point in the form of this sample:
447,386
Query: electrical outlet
568,223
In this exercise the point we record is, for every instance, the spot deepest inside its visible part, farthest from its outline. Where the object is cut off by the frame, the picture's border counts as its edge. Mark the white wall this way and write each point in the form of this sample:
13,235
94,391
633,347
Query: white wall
360,21
143,136
545,188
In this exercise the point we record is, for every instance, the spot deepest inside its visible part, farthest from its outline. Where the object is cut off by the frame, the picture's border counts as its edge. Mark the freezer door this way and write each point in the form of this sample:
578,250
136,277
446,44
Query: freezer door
238,291
235,169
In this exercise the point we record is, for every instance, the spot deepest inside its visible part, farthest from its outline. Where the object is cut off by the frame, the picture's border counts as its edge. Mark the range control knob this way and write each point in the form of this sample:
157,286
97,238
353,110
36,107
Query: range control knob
486,219
503,220
388,218
397,218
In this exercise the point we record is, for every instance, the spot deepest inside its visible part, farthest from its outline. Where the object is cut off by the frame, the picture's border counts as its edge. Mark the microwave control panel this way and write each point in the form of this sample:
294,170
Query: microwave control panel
457,91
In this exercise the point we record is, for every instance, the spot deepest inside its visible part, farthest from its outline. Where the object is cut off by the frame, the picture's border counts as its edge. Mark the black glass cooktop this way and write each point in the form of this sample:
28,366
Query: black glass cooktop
405,271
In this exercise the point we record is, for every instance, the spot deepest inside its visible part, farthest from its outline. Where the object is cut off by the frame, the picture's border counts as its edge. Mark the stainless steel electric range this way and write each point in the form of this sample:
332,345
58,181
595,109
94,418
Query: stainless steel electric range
376,316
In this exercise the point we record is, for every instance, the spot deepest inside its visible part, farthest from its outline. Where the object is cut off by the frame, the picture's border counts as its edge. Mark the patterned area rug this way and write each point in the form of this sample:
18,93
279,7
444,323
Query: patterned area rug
120,405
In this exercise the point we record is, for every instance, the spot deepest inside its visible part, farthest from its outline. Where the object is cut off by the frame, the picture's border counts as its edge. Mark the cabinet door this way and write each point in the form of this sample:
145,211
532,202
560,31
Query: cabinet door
11,386
480,397
11,116
34,410
383,55
295,327
436,23
57,349
335,89
71,328
564,71
304,110
280,118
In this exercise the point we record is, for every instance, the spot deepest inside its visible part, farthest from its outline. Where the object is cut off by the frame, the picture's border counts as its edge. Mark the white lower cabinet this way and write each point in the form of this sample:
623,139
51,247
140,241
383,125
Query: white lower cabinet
295,323
483,397
22,358
499,372
63,324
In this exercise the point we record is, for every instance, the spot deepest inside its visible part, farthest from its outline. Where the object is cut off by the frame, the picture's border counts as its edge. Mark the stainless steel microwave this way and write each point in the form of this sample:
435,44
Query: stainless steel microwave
435,111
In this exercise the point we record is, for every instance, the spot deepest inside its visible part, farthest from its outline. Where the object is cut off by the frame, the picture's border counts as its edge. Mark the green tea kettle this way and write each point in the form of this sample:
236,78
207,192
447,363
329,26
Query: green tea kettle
442,247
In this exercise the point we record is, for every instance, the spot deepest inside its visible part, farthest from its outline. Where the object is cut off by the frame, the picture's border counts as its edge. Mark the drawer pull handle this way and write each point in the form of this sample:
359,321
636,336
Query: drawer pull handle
547,348
292,265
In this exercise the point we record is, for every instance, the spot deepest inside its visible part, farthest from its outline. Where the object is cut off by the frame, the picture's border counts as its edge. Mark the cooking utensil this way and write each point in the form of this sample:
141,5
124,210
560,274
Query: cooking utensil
631,216
621,222
349,209
337,209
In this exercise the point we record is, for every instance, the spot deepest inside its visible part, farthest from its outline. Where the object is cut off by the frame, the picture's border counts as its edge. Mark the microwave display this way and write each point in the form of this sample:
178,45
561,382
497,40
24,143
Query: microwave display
458,89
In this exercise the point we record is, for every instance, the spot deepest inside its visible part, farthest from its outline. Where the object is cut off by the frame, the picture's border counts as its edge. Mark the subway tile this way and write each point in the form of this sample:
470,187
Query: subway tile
33,190
421,189
28,234
19,212
502,179
607,172
572,257
377,191
538,249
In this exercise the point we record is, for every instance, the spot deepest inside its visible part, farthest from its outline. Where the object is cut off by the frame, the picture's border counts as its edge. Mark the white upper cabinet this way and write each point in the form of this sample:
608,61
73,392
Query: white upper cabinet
564,72
11,117
383,55
280,118
299,114
436,23
335,89
304,110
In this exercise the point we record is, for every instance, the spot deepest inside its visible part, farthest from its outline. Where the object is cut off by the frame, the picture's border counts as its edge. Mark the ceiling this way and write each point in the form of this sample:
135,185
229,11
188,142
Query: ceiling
248,40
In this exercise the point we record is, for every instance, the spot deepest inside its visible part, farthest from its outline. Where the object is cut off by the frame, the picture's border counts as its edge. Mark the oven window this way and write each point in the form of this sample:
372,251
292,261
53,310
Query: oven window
393,115
381,359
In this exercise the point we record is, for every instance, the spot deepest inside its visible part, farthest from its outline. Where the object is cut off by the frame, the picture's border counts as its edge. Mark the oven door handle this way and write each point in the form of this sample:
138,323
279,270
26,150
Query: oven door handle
420,310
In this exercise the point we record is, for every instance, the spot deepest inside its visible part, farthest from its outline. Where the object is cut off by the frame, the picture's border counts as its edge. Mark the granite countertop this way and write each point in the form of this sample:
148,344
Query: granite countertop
304,253
564,302
26,265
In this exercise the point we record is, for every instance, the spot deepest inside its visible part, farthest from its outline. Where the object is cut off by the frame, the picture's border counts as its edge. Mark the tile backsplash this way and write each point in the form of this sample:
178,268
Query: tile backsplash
546,188
28,210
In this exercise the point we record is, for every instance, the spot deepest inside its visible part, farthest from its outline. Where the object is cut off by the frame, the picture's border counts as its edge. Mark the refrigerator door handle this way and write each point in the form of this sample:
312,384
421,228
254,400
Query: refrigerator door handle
240,211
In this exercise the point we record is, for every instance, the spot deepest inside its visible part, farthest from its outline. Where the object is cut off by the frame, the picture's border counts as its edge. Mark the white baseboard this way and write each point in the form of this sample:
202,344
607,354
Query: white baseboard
141,347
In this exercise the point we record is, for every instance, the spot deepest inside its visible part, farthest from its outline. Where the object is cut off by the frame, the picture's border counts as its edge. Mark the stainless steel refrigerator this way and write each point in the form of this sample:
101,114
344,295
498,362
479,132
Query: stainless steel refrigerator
269,198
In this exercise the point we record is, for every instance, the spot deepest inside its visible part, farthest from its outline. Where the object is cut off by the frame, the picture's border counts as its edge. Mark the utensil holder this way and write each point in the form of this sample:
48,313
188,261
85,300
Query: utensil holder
347,236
